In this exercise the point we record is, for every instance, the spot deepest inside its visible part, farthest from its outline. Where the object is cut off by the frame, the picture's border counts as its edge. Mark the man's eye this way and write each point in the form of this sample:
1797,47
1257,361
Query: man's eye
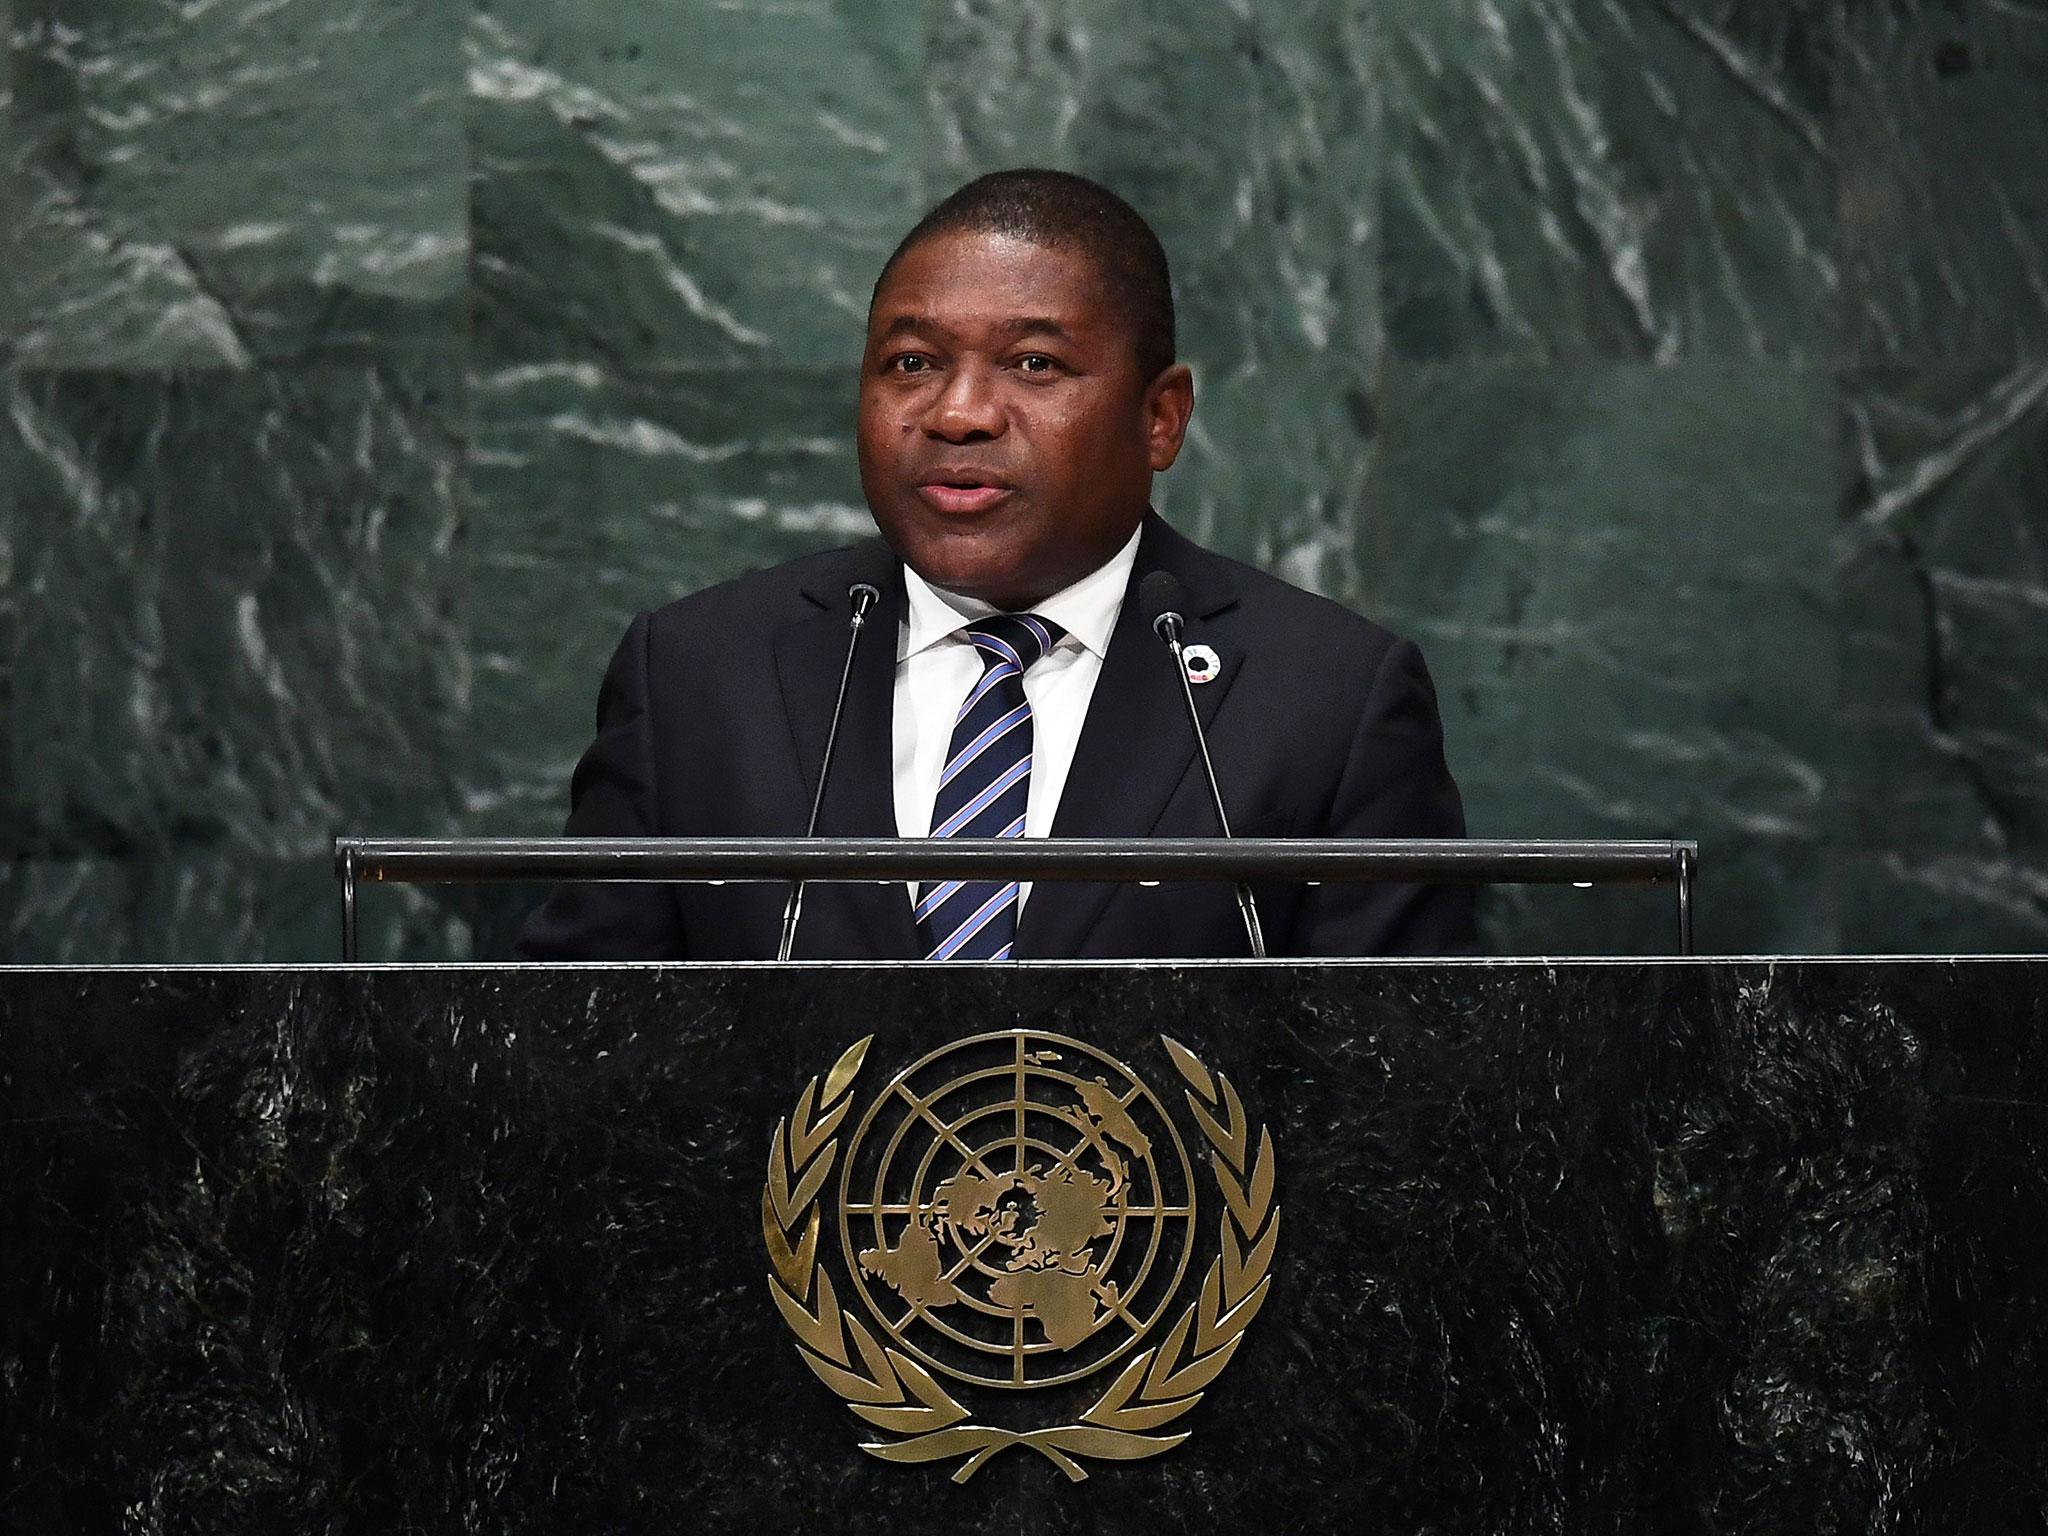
1036,362
909,362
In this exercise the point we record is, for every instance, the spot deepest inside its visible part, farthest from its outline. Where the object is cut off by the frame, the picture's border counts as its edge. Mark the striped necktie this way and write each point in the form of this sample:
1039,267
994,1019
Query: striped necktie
983,791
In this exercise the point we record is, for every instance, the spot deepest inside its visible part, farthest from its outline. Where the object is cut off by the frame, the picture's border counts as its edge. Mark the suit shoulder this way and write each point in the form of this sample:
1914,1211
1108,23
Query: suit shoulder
765,598
1308,623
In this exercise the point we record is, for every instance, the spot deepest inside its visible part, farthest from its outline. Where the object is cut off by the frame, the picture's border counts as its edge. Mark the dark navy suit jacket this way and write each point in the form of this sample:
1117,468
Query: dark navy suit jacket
712,722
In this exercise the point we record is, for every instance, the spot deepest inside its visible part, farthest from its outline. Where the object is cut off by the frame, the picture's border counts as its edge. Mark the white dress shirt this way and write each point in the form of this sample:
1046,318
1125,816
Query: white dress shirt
937,666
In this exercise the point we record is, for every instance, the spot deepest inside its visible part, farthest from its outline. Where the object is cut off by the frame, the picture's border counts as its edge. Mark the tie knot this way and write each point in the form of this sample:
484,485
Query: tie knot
1021,639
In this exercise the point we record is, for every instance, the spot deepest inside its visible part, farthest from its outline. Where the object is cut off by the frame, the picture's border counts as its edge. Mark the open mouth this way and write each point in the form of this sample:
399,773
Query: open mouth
961,493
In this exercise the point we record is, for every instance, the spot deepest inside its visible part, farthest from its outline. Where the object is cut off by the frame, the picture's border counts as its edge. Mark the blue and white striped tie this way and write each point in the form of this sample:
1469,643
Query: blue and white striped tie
983,791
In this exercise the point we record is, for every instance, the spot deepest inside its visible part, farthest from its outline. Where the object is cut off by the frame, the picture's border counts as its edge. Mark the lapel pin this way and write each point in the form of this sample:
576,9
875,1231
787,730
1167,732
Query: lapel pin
1202,663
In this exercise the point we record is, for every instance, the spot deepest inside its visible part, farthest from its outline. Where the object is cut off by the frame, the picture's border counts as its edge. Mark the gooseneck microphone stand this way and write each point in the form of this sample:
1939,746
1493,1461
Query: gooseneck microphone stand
1163,597
863,597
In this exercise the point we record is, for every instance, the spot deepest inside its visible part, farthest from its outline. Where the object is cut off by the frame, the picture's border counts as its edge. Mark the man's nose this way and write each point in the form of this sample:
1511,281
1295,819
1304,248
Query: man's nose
966,408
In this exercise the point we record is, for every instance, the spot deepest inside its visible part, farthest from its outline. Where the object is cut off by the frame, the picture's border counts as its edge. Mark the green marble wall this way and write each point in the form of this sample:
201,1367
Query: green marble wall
1676,372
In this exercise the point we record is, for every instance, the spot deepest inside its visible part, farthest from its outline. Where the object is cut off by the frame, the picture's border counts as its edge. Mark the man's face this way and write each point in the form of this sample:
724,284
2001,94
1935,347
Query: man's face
1007,438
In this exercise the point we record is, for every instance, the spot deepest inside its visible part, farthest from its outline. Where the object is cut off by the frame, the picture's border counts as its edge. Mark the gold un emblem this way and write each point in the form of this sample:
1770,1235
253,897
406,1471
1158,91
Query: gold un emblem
1017,1212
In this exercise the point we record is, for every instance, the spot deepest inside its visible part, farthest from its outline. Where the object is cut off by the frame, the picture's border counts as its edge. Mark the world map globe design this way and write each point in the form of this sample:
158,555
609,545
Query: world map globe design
1016,1209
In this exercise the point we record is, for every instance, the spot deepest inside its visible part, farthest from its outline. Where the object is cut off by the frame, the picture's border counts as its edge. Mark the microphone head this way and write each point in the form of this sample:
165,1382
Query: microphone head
1162,598
863,596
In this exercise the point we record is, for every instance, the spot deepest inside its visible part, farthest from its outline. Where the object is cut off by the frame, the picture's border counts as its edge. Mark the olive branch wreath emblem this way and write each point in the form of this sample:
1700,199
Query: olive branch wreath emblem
897,1395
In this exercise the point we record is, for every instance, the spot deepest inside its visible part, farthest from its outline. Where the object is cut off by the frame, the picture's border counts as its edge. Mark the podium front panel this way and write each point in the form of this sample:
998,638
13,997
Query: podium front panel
1473,1246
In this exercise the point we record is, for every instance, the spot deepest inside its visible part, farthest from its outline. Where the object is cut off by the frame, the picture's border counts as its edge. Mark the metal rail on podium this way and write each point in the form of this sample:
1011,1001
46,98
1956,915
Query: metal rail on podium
659,860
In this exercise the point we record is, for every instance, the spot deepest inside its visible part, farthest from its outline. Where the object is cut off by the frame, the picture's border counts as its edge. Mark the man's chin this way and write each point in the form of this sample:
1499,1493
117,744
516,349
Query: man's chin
985,575
981,581
965,560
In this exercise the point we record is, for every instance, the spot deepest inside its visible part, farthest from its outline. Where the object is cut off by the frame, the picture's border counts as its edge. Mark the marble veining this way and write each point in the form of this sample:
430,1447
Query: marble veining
1673,372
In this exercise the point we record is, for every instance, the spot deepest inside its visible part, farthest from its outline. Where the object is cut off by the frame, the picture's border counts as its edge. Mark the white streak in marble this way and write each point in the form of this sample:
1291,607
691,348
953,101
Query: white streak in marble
1897,490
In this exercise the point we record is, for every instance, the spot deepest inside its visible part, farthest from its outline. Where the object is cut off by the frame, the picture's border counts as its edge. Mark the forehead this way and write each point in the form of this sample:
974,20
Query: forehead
971,280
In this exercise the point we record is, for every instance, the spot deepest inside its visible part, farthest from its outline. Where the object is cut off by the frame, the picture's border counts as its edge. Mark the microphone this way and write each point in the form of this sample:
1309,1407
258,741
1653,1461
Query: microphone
863,597
1162,598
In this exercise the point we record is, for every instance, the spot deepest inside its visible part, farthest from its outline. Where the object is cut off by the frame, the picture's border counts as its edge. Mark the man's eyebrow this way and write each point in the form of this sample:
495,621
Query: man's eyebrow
904,325
1035,325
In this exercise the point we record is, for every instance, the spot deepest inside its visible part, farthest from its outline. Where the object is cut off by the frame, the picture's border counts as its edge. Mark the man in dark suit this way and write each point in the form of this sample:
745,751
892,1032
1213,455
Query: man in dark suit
1018,393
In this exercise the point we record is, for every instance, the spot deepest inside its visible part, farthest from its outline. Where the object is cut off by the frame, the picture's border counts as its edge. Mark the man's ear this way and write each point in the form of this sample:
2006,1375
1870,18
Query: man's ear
1169,402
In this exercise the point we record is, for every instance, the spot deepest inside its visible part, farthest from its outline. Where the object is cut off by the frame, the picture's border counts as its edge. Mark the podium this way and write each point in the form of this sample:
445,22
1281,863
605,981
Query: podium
1622,1246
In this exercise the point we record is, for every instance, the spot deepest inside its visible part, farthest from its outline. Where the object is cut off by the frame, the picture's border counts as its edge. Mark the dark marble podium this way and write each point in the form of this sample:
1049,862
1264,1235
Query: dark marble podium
1568,1247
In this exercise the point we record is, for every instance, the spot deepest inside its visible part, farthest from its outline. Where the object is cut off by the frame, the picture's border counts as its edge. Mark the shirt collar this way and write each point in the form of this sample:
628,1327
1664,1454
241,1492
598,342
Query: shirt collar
1086,610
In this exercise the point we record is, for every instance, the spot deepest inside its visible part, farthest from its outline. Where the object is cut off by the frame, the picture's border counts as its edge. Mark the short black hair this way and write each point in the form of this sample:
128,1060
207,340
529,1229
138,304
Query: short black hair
1070,213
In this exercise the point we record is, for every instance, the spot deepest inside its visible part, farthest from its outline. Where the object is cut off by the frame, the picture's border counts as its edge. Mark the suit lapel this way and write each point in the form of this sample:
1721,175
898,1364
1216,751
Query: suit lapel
1136,747
860,800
